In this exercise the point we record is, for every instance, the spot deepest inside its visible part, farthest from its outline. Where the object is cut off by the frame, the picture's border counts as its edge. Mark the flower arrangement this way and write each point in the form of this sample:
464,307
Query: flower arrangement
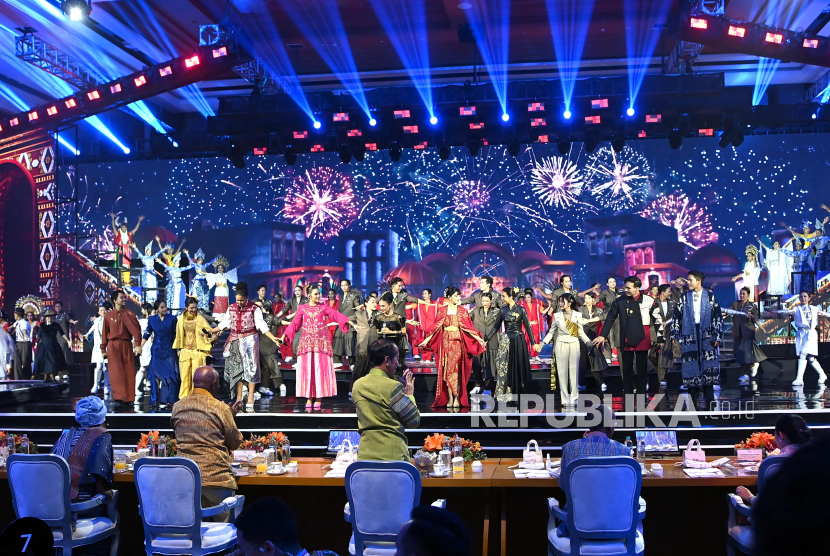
169,442
6,437
262,443
471,451
763,440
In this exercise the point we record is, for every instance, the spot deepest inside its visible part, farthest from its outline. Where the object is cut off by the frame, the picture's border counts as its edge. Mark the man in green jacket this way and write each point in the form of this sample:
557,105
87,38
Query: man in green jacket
385,408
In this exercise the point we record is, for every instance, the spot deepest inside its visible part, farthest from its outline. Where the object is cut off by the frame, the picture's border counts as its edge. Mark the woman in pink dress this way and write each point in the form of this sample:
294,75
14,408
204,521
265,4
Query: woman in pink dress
315,367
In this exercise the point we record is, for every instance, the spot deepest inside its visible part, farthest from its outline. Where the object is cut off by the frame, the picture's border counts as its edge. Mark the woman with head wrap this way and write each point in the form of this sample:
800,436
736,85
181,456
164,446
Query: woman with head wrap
88,450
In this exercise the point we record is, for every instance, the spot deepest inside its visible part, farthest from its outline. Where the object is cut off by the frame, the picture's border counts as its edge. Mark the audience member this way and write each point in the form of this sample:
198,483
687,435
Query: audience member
433,531
268,528
596,442
384,407
791,432
206,433
791,512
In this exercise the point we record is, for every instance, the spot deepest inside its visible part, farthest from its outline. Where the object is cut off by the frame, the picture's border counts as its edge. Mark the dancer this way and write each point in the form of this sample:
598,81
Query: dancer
124,246
392,326
192,344
363,322
345,344
751,273
806,340
806,234
698,327
49,358
592,316
199,286
484,318
455,341
634,342
744,346
120,330
241,353
279,305
163,368
778,273
801,259
535,311
426,313
662,313
176,292
22,331
513,359
149,281
219,282
98,359
143,376
269,367
315,368
566,331
290,310
331,325
607,298
485,285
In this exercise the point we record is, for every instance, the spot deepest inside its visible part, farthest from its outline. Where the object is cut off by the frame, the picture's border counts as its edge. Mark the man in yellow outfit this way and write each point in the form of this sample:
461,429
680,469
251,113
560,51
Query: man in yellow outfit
193,344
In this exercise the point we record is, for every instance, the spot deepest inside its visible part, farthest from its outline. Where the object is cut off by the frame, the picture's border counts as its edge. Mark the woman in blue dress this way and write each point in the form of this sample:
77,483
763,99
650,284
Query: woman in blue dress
175,291
149,282
199,287
163,367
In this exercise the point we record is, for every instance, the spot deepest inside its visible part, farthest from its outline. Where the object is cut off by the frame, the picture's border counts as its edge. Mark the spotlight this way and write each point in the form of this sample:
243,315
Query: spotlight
373,122
345,154
433,120
474,146
395,152
444,152
618,143
77,10
358,151
564,147
237,157
591,141
505,117
513,147
316,124
630,111
290,155
675,139
814,116
566,114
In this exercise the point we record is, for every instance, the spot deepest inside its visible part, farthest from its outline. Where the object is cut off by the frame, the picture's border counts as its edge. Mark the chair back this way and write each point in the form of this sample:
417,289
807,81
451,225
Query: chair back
603,496
40,488
169,498
381,496
768,468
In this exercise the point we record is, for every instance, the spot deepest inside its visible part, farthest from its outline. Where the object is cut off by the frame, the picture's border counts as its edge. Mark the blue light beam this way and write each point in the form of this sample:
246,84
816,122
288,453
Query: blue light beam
641,38
67,144
320,23
778,14
405,23
490,23
569,20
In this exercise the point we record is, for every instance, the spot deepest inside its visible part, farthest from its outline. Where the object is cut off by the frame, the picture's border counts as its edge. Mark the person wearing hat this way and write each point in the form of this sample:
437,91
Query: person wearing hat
124,246
49,358
6,347
22,332
87,449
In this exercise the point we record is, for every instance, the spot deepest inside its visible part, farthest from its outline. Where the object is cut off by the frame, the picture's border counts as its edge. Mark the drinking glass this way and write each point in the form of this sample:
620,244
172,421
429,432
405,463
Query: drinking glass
261,468
120,463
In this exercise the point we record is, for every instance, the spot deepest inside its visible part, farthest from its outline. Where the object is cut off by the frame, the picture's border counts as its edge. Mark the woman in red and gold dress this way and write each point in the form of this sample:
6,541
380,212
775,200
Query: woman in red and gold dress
535,312
455,341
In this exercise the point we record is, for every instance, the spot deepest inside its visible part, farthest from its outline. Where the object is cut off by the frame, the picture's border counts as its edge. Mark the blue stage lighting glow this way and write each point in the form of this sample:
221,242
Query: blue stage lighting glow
405,23
95,122
763,78
433,120
644,22
630,111
321,24
505,117
67,144
316,124
781,15
814,116
569,20
566,114
373,122
143,112
490,23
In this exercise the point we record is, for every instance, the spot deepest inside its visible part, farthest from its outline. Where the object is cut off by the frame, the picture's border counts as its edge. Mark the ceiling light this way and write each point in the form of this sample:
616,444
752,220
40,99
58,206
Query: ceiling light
76,10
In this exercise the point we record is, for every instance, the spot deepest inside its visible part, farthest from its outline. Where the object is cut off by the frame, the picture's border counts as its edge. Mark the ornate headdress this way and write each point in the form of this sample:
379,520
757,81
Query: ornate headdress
149,248
30,304
220,261
819,226
806,223
168,245
121,221
752,249
199,254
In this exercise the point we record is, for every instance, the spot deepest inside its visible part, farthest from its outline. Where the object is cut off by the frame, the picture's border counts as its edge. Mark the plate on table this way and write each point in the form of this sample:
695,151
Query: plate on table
282,471
439,475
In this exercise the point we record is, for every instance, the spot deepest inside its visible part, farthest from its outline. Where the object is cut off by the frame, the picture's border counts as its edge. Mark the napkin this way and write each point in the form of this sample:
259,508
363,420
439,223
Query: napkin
712,472
336,474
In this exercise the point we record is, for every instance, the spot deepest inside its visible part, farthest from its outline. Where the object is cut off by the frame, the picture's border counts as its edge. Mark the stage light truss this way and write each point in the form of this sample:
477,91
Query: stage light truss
41,54
97,97
254,72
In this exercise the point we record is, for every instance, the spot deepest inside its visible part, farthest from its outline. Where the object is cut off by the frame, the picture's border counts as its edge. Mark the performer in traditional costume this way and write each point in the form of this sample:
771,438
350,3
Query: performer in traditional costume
219,282
176,292
566,332
331,325
801,259
268,365
98,358
120,330
124,246
806,340
778,271
163,367
698,328
345,344
244,319
513,359
662,312
535,310
315,367
455,341
392,326
751,274
192,344
49,358
289,312
279,305
23,336
744,346
426,315
199,287
149,281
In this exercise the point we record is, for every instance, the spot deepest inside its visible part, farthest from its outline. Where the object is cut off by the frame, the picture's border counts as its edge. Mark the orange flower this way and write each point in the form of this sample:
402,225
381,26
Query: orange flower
434,443
278,437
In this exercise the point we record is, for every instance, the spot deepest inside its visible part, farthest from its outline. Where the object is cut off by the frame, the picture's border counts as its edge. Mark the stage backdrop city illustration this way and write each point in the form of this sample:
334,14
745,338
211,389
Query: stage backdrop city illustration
524,220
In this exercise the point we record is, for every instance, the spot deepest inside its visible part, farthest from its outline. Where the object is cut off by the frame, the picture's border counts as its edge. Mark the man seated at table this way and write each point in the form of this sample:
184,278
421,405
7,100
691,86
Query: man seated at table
418,536
385,408
206,433
596,442
267,528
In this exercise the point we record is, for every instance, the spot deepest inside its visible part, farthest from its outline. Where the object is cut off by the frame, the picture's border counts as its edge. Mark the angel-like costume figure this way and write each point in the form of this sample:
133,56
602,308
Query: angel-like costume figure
123,239
800,254
199,287
175,290
220,282
149,282
778,269
751,274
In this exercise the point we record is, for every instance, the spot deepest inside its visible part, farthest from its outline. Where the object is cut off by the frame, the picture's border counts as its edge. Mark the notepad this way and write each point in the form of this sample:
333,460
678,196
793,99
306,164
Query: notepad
696,473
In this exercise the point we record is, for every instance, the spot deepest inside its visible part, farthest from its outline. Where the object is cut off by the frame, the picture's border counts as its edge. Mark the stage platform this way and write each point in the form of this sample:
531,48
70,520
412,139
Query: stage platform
742,409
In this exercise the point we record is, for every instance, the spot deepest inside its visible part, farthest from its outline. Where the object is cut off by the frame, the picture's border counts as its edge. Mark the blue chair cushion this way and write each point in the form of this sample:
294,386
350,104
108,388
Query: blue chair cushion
562,545
85,528
213,535
375,548
743,535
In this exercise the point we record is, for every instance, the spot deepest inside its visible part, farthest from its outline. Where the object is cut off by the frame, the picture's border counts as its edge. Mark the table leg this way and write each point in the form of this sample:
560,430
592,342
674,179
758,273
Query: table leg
486,528
503,500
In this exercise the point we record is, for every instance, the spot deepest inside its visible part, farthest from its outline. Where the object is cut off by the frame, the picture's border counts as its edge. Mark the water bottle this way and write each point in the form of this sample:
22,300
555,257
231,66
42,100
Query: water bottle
641,450
24,445
285,451
629,445
162,447
151,444
446,445
456,448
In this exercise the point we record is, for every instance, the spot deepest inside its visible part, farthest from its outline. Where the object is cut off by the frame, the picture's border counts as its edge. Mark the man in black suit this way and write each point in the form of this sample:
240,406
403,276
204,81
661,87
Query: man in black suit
400,298
485,285
607,298
484,318
632,309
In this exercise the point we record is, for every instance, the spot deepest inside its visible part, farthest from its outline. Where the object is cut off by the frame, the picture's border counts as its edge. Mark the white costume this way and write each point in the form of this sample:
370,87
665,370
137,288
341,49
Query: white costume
98,359
221,282
806,340
567,353
144,359
149,281
778,271
749,279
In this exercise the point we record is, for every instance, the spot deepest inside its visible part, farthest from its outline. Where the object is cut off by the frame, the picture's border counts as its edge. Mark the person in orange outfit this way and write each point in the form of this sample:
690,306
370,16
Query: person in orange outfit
120,329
